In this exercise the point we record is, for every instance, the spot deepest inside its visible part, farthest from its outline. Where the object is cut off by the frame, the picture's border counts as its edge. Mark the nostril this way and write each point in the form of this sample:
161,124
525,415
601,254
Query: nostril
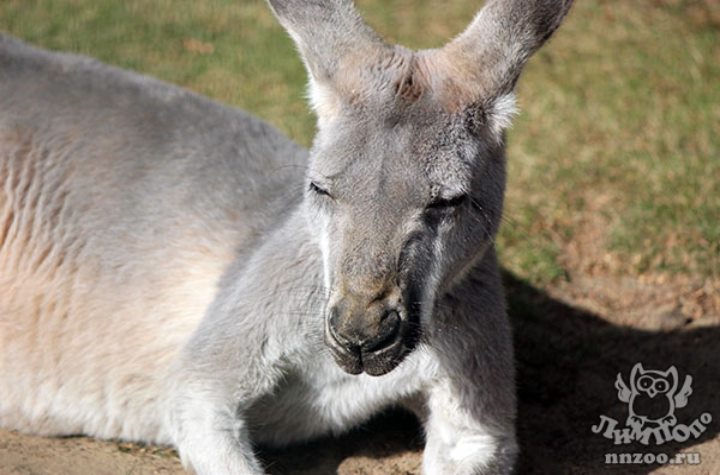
387,334
332,327
380,296
336,337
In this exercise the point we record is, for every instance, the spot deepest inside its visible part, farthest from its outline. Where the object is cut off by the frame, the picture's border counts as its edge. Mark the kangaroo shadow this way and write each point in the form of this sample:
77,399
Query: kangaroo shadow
567,363
568,360
386,435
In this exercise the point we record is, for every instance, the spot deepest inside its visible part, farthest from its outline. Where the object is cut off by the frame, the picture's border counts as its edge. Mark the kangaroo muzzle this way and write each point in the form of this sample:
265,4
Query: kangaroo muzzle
369,334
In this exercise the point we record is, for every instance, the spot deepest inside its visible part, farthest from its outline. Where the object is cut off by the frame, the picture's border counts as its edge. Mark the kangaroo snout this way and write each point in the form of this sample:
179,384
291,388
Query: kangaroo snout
367,334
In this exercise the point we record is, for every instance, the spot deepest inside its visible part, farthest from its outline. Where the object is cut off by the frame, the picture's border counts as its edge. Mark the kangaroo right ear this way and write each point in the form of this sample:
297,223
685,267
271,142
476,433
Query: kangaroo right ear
482,65
332,38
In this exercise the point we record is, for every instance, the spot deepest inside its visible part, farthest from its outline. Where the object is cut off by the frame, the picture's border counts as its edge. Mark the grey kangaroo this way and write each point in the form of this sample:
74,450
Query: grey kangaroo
178,272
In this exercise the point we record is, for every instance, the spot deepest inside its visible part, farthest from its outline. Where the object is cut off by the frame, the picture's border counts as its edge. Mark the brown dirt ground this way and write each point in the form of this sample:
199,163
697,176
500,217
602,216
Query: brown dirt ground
571,341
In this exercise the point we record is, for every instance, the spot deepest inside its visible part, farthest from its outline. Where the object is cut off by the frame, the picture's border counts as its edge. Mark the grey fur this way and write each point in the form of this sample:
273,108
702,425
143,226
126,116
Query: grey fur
371,254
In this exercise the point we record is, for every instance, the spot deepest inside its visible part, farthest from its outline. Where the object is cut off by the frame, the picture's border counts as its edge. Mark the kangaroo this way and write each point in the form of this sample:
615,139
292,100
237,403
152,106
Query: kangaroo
178,272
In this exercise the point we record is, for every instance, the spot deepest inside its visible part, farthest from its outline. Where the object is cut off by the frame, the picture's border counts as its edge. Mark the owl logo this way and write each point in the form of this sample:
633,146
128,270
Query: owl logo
653,396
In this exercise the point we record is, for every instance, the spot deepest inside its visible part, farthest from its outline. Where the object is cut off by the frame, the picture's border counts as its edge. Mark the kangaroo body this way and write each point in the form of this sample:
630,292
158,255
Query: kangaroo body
176,271
123,202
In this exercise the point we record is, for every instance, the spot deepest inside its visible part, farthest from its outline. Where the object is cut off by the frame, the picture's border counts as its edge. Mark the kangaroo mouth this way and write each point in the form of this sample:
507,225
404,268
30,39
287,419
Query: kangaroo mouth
354,360
373,363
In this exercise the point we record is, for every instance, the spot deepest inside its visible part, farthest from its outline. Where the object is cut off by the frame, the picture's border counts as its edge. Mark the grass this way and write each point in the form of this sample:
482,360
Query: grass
619,136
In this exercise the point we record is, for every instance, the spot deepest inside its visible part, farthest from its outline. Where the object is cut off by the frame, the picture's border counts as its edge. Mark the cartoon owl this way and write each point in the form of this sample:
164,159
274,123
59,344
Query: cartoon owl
652,396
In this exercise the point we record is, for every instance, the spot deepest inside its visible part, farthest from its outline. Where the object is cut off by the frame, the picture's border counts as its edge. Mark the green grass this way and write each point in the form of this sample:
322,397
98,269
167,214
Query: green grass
619,134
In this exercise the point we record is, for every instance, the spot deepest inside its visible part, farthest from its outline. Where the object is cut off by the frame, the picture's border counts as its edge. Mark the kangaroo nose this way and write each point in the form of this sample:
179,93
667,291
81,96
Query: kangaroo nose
387,335
360,335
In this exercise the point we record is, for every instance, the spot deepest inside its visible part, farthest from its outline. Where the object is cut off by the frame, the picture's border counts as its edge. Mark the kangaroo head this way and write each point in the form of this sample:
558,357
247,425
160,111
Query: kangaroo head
407,172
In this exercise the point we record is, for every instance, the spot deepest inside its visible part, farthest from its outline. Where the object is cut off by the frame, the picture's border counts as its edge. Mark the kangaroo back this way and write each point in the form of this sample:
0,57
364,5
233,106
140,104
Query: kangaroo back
122,201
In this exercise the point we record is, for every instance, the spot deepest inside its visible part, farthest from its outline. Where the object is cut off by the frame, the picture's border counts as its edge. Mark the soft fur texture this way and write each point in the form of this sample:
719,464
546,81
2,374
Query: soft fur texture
168,271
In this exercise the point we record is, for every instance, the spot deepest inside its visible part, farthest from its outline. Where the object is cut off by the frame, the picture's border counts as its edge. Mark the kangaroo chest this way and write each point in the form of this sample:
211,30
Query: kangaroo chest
320,399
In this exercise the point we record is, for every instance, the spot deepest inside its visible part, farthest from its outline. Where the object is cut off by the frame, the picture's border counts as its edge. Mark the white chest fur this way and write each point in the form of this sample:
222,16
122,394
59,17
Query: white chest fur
320,398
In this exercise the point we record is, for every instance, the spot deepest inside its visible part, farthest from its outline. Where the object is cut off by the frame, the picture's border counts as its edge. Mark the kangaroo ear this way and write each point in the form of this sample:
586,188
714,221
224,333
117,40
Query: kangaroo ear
483,64
332,39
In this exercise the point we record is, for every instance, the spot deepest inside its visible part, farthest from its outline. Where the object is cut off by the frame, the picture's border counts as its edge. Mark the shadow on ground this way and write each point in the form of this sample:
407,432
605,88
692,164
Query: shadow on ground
568,360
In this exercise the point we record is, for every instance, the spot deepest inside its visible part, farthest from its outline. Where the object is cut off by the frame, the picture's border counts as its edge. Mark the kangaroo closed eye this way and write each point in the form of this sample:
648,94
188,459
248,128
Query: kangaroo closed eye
315,188
448,202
